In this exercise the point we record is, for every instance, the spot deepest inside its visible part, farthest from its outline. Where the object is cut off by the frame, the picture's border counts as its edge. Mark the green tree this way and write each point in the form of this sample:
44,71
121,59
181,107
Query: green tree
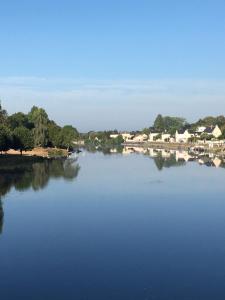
146,131
22,139
206,137
69,135
171,124
39,118
5,138
157,137
19,119
3,115
54,135
159,123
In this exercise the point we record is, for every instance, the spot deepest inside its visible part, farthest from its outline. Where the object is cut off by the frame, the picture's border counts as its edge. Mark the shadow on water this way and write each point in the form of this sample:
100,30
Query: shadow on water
32,173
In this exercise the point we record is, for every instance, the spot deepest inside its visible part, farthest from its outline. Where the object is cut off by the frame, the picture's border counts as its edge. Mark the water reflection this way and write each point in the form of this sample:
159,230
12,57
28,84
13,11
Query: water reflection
1,216
165,158
35,175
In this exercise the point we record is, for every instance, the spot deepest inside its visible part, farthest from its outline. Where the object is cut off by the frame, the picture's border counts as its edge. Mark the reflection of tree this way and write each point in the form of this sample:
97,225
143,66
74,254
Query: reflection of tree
1,216
35,175
159,162
167,162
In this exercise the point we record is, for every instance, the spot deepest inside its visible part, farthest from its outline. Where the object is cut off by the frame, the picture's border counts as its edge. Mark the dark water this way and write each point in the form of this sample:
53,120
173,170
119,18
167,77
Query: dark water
111,227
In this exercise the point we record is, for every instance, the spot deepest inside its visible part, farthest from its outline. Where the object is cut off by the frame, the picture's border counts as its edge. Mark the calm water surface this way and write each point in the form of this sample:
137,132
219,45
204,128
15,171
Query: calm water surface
113,227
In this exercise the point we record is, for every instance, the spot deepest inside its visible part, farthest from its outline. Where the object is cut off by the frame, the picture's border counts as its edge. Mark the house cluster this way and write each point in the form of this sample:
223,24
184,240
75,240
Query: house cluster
181,136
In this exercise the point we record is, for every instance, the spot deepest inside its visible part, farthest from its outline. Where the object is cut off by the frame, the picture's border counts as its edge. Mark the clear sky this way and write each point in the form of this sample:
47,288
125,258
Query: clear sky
102,64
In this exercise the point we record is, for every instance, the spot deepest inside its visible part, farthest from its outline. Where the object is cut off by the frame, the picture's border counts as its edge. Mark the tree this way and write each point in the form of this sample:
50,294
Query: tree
5,138
22,139
206,137
146,131
54,134
159,123
39,118
157,137
222,137
118,140
19,119
171,124
69,135
3,115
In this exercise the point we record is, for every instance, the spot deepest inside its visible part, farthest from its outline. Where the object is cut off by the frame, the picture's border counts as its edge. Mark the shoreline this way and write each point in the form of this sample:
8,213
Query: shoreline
38,152
177,146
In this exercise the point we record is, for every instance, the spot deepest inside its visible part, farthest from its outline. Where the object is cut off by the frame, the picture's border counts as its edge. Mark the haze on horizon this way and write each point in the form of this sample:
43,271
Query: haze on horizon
104,65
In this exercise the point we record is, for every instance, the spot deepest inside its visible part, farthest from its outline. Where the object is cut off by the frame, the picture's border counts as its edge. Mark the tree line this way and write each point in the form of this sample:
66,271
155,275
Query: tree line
23,132
171,124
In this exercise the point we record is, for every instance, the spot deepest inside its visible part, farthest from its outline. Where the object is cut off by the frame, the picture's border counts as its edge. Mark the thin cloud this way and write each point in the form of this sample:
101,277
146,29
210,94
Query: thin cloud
123,104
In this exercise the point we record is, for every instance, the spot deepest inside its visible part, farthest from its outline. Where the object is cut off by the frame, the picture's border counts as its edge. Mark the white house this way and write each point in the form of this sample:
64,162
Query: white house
200,129
139,138
213,130
125,135
182,136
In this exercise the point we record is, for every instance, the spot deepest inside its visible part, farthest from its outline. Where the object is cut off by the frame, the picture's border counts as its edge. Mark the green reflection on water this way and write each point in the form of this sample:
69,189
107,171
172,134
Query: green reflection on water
26,173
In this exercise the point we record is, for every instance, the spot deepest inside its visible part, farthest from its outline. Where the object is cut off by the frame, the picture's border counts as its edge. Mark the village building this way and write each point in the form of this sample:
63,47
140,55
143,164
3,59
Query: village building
125,135
183,135
200,129
213,130
139,138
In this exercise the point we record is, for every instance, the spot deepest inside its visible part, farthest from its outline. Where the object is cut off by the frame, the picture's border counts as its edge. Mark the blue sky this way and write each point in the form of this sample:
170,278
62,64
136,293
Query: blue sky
113,64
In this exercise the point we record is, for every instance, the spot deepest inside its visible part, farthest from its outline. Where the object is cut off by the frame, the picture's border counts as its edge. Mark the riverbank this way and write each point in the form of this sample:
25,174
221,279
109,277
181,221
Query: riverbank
41,152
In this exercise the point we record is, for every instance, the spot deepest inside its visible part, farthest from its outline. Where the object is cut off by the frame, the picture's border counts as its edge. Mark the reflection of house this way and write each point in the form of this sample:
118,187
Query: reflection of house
114,150
182,136
183,155
217,162
214,144
153,152
165,153
140,149
128,150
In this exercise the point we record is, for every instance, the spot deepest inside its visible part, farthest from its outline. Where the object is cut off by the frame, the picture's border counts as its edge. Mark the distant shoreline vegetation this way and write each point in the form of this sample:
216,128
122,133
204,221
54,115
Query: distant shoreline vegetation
164,129
23,132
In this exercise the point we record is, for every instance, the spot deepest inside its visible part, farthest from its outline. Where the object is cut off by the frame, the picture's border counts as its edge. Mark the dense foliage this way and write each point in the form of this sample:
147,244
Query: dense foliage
23,132
169,124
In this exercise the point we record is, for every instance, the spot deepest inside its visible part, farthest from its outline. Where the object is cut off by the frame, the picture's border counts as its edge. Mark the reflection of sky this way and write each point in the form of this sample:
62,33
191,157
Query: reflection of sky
114,225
